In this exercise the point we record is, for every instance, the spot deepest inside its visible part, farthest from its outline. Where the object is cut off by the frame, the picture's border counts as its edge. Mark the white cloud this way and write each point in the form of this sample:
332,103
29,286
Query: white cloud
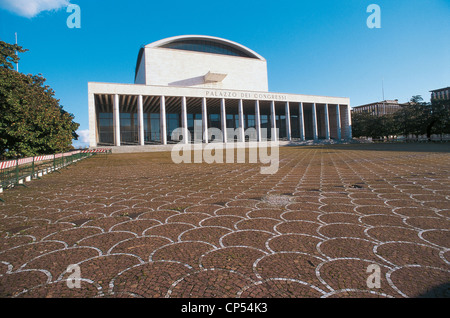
83,139
83,135
31,8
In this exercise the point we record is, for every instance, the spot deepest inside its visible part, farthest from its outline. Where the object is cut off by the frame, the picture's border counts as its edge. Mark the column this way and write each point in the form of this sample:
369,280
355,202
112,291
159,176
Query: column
273,123
241,121
204,121
338,122
223,117
258,121
288,122
93,127
141,119
314,114
301,119
162,121
349,121
116,120
327,123
184,124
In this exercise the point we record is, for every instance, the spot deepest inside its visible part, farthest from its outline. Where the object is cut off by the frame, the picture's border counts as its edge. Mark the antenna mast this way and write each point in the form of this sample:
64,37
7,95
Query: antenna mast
384,101
17,53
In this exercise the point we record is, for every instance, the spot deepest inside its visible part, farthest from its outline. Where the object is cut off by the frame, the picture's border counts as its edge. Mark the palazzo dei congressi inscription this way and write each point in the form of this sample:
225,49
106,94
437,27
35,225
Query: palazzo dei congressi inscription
245,95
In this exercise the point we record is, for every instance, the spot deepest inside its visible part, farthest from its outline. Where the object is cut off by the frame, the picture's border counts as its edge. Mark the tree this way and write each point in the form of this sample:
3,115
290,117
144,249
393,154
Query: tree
420,118
414,118
438,118
369,125
8,54
360,123
32,122
387,126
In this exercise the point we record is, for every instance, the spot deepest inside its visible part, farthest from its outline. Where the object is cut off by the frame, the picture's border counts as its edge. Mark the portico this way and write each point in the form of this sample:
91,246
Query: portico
197,83
143,115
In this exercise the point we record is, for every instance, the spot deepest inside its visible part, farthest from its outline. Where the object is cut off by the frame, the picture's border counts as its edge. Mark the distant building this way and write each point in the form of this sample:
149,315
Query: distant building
379,108
441,93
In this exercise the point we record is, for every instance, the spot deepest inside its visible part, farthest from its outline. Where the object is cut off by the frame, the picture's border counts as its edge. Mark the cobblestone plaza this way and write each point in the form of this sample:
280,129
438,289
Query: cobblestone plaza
138,225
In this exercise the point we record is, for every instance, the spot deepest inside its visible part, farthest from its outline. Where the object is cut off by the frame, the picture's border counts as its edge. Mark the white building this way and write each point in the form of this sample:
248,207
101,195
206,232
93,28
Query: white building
189,81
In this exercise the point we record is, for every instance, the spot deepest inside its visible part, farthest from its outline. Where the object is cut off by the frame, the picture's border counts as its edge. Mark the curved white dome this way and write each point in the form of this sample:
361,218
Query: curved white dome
245,51
201,61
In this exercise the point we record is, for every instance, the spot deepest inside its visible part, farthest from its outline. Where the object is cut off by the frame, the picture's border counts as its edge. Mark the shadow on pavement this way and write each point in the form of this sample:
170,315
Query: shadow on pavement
440,291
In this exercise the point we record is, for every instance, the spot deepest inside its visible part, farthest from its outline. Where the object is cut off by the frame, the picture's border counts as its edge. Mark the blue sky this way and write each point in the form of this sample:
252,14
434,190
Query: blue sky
318,47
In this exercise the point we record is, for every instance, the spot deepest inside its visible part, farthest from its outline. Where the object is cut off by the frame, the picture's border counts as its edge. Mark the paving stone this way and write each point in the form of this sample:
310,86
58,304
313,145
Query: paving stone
139,225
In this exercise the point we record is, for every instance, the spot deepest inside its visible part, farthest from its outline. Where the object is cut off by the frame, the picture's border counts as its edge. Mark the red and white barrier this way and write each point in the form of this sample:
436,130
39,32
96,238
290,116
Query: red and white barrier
13,163
98,150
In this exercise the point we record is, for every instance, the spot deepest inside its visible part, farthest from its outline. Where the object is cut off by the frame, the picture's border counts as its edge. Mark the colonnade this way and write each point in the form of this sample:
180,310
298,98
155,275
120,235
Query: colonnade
338,116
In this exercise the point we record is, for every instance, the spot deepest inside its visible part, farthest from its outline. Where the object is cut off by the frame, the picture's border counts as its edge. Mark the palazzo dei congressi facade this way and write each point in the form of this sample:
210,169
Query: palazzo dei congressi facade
201,82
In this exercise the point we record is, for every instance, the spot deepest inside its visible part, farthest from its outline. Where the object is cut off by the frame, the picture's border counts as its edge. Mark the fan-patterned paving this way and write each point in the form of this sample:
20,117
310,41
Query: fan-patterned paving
139,225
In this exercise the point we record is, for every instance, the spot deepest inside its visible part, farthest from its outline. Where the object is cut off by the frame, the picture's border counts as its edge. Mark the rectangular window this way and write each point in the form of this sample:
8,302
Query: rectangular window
105,129
214,121
125,119
230,119
173,122
264,120
105,119
155,127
